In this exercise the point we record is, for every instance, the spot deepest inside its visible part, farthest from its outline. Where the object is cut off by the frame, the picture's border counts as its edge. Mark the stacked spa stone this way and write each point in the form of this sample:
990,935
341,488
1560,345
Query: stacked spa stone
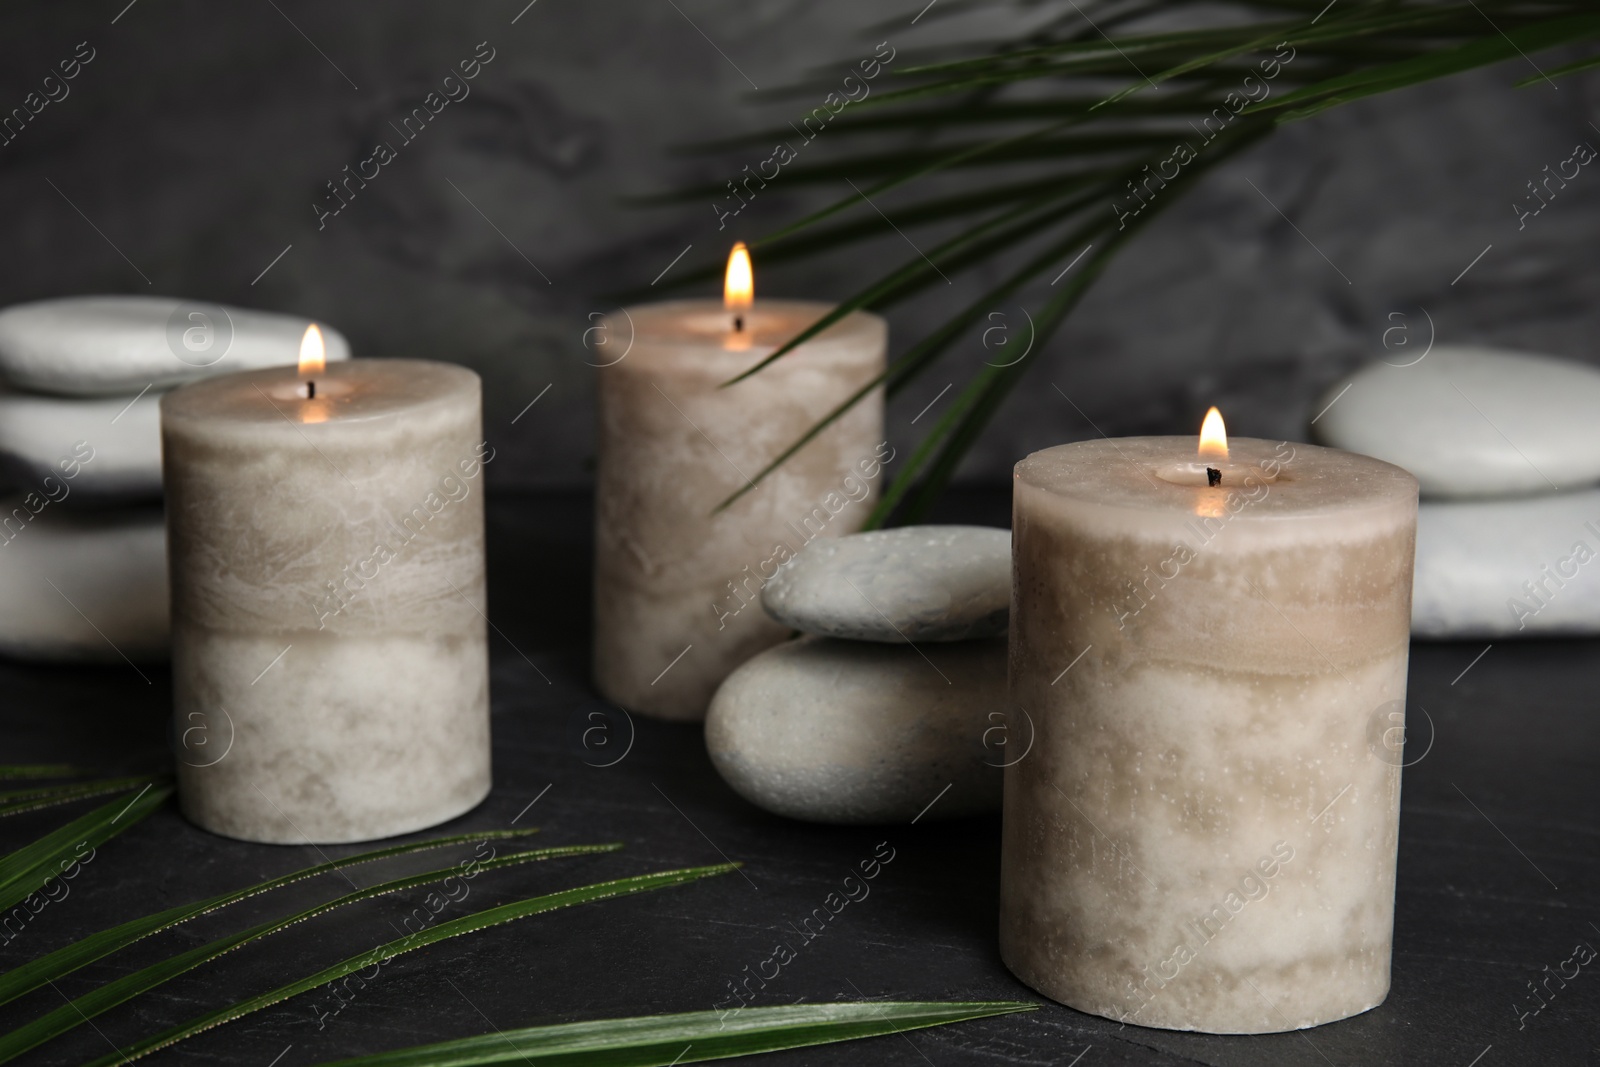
1506,447
891,703
83,568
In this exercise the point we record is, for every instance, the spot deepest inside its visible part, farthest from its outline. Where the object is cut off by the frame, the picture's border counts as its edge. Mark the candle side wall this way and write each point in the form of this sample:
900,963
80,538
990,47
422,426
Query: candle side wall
676,582
1219,726
327,584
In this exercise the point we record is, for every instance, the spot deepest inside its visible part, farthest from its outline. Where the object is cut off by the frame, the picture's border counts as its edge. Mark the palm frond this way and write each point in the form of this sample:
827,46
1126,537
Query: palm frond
36,973
1089,101
38,770
17,801
1560,72
428,936
76,1012
690,1037
1392,76
25,871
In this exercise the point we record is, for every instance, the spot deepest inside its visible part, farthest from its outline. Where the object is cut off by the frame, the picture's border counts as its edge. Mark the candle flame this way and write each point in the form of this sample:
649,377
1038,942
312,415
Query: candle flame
1213,435
313,355
738,286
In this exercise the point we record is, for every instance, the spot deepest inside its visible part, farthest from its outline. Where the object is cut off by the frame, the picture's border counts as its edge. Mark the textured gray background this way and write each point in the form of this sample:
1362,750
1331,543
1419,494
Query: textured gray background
199,137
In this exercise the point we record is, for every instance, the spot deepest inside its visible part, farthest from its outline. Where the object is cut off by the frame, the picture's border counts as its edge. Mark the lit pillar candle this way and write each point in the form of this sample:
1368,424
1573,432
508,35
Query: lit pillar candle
1212,651
677,583
329,654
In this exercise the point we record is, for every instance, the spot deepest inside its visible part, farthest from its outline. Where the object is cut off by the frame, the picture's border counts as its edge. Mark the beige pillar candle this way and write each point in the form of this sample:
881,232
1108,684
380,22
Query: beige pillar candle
1203,834
329,651
676,583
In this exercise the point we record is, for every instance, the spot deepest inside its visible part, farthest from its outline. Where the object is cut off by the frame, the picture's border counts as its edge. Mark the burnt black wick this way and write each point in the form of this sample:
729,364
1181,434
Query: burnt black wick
1213,476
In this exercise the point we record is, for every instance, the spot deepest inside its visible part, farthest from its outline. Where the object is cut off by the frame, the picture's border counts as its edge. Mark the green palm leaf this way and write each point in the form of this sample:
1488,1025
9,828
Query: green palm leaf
16,801
38,770
690,1037
38,972
957,156
70,1015
109,784
1354,86
967,247
1347,27
943,163
28,868
990,94
1032,193
373,957
970,412
990,385
1558,72
988,113
921,354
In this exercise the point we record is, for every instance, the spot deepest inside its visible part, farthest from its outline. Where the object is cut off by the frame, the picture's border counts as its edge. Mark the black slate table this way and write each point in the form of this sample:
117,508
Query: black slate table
1499,873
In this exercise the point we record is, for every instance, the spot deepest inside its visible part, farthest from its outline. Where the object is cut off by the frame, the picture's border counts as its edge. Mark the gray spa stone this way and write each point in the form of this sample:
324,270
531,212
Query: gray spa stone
850,732
1505,568
1471,421
111,445
108,345
914,583
81,587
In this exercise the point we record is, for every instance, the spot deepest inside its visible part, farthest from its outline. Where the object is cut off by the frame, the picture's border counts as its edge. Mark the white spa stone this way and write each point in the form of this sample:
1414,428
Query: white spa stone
850,732
109,576
916,583
121,435
107,345
1508,567
1471,421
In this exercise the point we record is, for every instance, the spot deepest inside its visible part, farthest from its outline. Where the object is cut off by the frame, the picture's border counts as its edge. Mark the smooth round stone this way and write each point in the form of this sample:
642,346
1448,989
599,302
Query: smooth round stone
109,576
1472,422
849,732
104,345
914,583
1508,567
45,436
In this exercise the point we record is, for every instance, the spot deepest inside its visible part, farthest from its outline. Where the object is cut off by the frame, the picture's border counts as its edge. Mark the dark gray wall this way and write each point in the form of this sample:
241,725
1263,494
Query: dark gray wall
198,139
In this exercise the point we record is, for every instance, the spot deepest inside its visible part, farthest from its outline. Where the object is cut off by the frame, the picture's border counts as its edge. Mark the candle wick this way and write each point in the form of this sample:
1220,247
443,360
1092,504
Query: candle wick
738,324
1213,476
311,394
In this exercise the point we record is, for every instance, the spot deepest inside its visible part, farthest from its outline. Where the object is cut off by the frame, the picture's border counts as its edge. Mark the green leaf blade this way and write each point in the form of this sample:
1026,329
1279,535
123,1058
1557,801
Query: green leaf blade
28,868
38,770
960,426
1560,72
17,801
38,972
69,1016
1388,77
691,1037
373,957
913,275
1082,67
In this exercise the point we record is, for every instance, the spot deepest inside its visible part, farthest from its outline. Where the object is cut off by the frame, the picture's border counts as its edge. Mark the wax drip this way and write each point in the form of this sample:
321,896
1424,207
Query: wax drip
1213,476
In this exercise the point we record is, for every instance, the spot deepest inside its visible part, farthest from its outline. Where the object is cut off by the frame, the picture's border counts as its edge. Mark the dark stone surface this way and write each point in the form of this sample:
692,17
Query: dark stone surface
1483,905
